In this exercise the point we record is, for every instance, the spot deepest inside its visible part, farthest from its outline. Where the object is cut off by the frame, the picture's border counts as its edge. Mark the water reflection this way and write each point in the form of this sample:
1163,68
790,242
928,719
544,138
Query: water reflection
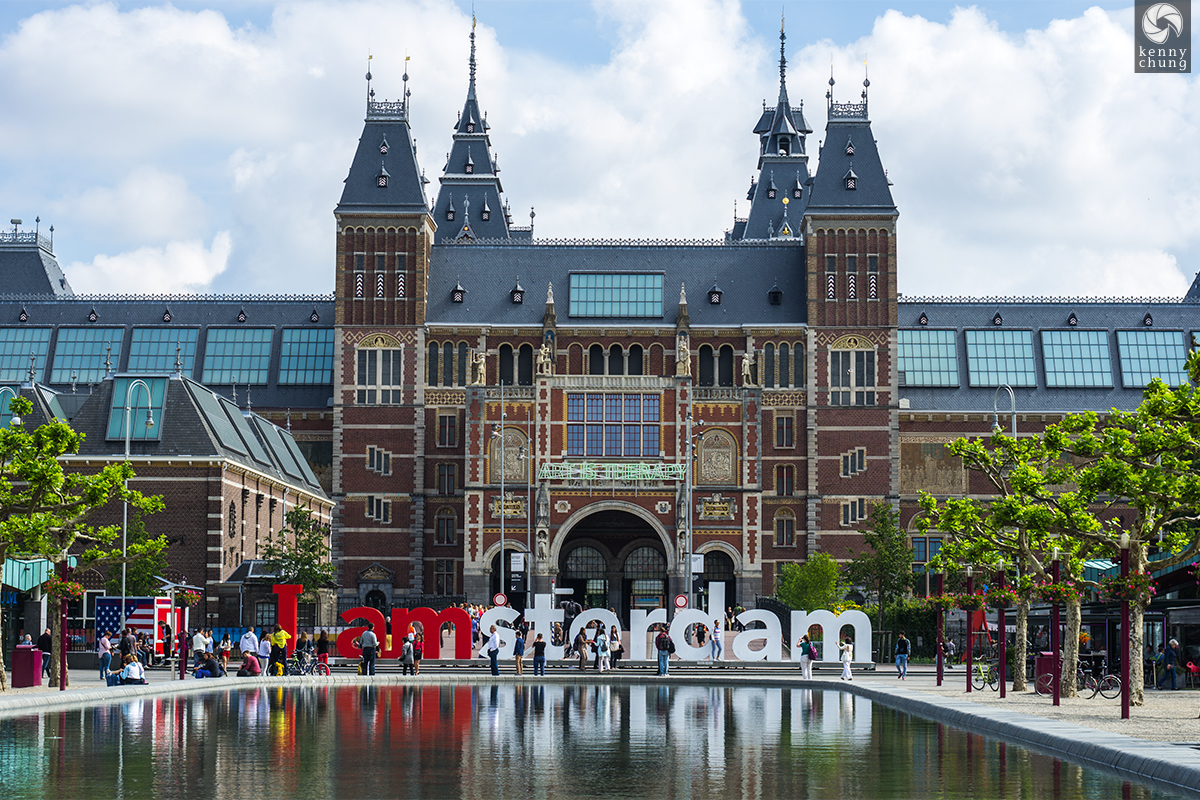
521,741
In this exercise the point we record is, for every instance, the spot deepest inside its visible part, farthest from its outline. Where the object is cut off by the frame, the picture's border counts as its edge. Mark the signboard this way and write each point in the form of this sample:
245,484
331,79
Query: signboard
697,563
629,471
516,562
499,599
681,601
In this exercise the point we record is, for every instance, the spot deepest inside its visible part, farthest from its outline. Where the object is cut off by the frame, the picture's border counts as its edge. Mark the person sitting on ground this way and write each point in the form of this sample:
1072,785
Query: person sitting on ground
210,668
131,674
250,667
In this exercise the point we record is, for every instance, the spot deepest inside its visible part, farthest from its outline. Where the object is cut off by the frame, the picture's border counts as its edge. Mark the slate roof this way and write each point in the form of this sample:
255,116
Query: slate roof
405,190
198,423
29,265
746,273
1037,315
187,311
829,193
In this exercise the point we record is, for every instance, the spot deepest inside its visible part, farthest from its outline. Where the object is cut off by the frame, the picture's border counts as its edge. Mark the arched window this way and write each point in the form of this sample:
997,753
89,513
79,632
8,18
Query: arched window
448,364
718,566
506,365
596,360
645,563
525,365
374,599
769,366
706,365
232,519
616,360
785,147
434,350
635,360
726,366
784,381
584,563
798,374
785,528
446,531
462,363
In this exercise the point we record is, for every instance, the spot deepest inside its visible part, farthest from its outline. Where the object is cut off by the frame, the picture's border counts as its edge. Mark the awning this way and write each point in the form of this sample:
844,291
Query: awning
25,573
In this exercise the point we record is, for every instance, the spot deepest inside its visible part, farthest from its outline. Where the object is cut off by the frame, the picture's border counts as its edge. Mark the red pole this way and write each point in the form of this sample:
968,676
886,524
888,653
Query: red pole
941,626
1125,636
62,616
1056,665
970,637
1003,634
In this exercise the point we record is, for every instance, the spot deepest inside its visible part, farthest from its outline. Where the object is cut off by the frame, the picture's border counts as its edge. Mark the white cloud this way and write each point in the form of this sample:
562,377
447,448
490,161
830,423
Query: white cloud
179,267
1026,164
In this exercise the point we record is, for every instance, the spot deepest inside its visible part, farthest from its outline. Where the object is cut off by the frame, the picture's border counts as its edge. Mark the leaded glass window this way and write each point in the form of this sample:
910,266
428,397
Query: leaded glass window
237,355
614,294
1076,359
16,345
1151,354
999,357
645,563
153,349
81,352
928,357
584,563
623,435
140,404
307,356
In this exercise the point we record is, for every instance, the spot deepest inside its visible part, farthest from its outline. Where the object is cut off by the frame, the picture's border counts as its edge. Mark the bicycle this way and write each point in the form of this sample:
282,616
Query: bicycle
1107,686
305,664
982,673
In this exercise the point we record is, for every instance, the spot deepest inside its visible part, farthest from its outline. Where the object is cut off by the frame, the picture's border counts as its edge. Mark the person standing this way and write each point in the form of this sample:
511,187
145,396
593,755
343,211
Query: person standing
581,648
226,649
418,652
519,652
665,647
370,643
279,639
406,657
199,647
249,642
718,642
615,647
104,648
493,649
1170,664
264,651
322,647
45,645
847,648
808,654
902,657
602,651
948,653
539,656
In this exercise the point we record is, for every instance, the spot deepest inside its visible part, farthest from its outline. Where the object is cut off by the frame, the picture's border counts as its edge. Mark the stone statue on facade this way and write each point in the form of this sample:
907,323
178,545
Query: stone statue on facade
543,545
545,360
748,368
480,359
683,355
542,520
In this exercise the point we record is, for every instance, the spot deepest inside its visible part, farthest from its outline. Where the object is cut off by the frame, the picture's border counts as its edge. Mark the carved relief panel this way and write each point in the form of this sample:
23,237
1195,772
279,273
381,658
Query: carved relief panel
515,466
718,459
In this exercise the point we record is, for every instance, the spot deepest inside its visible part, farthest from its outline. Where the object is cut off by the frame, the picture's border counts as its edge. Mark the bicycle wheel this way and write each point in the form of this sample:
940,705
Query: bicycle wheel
993,678
1044,685
1091,685
1109,686
321,669
977,677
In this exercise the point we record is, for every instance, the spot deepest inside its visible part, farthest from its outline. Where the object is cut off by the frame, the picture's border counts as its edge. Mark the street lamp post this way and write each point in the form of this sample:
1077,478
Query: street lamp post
15,421
1012,398
1125,632
970,637
1002,632
1055,634
499,432
134,384
941,624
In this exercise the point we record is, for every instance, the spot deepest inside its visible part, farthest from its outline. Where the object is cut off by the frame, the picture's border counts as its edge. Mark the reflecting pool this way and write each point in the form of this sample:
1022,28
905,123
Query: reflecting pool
557,741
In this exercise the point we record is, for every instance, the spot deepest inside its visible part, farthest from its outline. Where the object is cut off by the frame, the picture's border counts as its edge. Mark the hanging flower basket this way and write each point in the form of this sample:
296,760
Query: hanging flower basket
1001,598
970,602
941,602
1060,593
1136,587
63,590
188,598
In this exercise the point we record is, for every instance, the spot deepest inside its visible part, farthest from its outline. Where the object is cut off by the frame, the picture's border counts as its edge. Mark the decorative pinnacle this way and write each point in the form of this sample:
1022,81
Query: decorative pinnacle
782,57
472,53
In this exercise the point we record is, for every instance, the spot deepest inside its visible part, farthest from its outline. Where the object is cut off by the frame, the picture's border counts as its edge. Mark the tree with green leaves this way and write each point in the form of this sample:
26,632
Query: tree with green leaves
886,568
811,585
48,512
299,553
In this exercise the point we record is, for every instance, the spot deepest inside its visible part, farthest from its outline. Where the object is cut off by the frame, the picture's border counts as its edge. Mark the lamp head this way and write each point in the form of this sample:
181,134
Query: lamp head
1123,540
996,429
150,420
15,421
970,571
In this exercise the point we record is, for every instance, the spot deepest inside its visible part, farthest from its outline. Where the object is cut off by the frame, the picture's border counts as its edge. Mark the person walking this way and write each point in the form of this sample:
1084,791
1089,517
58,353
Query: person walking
519,652
902,647
847,648
808,654
1170,664
718,642
539,656
104,648
226,649
45,644
664,646
581,648
948,653
493,649
370,643
406,657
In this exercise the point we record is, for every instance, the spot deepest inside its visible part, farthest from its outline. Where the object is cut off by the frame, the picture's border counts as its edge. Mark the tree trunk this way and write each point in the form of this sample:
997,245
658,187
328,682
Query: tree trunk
1137,646
1020,652
56,633
1071,649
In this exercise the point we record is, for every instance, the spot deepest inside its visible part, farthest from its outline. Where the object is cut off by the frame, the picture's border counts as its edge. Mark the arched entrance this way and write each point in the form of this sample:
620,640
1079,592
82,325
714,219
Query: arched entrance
718,568
613,559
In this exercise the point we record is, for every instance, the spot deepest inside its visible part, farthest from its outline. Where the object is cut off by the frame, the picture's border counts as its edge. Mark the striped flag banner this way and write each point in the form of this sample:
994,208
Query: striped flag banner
143,614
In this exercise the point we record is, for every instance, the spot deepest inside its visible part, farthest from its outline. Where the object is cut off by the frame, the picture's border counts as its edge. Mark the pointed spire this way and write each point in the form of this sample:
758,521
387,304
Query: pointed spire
550,293
471,87
783,98
682,319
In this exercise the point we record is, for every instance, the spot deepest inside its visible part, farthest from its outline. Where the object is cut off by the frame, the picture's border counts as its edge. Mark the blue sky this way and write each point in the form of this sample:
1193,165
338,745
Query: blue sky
201,146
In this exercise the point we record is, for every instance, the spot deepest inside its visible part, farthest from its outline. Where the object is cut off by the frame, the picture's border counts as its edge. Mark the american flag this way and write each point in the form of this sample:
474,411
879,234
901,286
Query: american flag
141,613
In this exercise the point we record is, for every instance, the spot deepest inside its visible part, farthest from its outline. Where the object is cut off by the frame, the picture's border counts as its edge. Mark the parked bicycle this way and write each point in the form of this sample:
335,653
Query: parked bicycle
306,664
1107,685
983,671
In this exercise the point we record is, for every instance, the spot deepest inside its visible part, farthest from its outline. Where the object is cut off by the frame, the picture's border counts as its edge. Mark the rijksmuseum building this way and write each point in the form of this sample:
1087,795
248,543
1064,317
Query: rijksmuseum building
603,407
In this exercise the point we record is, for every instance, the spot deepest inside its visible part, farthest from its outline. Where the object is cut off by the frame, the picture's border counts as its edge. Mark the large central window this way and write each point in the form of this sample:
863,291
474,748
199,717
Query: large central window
616,294
613,425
